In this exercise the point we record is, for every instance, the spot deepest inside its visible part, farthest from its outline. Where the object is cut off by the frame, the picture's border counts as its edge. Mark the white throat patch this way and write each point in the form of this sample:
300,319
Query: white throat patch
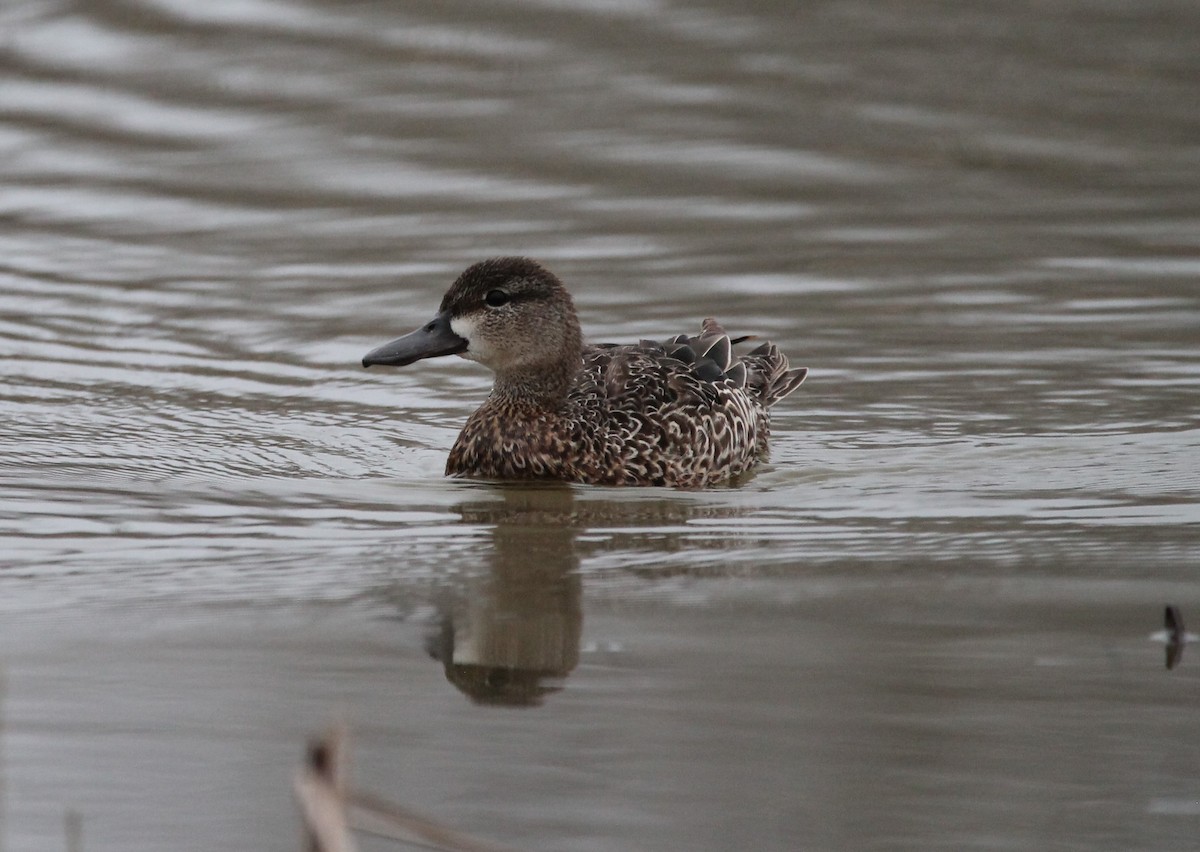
464,327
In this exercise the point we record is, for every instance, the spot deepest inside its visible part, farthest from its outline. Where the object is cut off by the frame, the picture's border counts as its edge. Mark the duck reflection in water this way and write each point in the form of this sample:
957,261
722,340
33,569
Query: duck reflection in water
510,635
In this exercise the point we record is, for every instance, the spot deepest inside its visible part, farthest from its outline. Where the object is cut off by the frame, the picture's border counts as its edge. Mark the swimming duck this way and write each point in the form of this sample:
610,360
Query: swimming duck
685,413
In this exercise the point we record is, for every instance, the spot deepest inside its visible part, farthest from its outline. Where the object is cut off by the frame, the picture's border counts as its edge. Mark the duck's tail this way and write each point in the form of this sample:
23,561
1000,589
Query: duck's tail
768,374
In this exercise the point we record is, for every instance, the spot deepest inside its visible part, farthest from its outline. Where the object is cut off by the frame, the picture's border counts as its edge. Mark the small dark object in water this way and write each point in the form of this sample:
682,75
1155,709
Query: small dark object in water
1177,636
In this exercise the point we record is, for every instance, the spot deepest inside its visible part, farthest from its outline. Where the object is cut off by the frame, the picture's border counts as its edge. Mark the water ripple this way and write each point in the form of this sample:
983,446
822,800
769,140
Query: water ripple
212,210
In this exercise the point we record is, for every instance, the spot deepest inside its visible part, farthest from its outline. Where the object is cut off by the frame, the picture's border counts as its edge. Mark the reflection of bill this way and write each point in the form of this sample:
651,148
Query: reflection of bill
511,635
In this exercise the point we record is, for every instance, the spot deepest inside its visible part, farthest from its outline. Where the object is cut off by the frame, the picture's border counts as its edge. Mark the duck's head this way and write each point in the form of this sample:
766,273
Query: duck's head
509,313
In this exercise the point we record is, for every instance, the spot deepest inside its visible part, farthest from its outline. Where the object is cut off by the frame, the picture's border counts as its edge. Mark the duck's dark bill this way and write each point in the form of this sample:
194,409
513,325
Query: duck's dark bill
429,341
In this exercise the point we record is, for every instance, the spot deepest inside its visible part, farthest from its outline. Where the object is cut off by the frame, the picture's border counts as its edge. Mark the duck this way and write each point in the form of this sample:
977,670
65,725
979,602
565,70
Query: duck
683,413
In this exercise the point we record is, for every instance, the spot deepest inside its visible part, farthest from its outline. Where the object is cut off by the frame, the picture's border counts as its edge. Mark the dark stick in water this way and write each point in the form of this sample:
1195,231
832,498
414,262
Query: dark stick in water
1176,635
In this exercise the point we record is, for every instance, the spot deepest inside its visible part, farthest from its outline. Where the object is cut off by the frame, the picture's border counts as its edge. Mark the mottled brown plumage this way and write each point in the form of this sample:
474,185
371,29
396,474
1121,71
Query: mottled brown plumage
686,412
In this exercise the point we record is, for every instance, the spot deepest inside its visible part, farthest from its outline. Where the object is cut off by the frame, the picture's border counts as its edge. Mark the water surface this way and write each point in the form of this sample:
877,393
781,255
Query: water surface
923,624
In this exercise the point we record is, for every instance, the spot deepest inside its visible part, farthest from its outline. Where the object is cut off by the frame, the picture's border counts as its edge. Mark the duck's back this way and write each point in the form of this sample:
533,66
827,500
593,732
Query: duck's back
685,413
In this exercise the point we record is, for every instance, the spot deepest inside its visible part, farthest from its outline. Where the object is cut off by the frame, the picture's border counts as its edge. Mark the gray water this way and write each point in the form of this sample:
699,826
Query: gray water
924,624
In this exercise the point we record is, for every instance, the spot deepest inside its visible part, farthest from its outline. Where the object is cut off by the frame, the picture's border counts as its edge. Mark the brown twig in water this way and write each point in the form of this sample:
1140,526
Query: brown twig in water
330,808
373,815
319,788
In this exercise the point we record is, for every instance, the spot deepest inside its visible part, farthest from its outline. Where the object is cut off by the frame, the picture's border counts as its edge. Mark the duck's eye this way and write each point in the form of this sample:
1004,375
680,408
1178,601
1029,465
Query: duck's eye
496,298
